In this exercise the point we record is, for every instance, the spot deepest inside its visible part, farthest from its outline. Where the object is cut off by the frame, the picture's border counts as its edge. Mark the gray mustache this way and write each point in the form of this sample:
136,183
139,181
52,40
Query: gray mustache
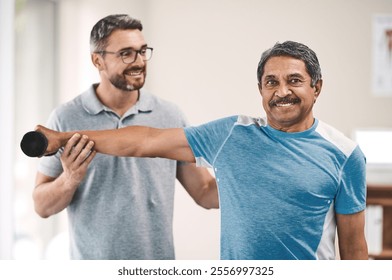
274,102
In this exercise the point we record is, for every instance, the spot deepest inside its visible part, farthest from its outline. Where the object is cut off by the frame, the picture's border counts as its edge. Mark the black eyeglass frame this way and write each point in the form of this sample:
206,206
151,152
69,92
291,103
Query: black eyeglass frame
123,57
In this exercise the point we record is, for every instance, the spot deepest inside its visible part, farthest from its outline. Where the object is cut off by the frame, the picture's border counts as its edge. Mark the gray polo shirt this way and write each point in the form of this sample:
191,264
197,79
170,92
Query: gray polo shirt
124,207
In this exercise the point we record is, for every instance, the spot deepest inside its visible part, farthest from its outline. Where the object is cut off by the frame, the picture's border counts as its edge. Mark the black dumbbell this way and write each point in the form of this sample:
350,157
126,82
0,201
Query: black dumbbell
34,144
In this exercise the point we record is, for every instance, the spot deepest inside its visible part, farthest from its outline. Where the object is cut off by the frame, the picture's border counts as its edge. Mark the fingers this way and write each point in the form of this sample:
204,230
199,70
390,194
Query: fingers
90,157
85,154
79,149
53,138
75,140
76,157
44,130
38,128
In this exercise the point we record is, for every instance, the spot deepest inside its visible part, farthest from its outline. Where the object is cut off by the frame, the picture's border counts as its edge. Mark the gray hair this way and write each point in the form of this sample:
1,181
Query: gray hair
104,27
295,50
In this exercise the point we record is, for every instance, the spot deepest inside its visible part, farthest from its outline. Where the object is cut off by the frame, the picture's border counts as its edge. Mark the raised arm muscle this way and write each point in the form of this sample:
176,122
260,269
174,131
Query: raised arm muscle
136,141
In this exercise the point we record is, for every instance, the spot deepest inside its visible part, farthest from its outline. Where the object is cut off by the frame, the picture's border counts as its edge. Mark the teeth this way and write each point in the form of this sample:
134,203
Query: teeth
134,73
284,104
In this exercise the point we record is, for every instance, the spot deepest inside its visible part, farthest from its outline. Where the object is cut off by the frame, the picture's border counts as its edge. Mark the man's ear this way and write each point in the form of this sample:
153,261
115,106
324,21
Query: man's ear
317,89
97,61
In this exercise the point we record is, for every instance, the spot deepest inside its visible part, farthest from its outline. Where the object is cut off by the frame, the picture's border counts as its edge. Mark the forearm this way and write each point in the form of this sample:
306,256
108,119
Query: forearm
200,185
351,236
131,141
127,141
52,197
210,199
360,254
354,251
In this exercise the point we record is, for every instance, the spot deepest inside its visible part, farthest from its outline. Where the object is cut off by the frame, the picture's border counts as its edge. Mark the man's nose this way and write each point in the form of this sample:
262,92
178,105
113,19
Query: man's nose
283,91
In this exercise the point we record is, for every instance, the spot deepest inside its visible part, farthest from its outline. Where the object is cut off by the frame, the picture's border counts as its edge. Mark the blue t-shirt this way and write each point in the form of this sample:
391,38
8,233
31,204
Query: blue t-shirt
279,191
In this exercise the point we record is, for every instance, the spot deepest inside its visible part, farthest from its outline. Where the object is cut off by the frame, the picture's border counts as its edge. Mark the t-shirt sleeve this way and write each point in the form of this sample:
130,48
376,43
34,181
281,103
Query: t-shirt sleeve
351,197
206,140
51,165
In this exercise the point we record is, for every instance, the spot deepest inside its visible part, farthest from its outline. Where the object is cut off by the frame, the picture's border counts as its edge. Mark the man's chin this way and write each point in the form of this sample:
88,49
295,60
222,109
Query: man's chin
129,87
135,85
125,85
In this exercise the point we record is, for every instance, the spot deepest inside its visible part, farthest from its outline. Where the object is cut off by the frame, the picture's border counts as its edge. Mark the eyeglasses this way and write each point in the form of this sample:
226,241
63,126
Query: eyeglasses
128,56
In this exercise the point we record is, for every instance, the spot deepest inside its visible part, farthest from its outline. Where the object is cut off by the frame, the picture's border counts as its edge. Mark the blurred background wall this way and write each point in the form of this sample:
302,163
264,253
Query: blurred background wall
205,59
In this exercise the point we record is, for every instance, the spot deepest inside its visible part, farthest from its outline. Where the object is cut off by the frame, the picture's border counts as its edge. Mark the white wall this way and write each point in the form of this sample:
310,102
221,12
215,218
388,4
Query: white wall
6,125
205,58
206,52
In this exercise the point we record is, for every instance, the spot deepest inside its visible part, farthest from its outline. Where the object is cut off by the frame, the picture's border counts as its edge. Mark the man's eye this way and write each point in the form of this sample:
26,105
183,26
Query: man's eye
270,83
143,51
126,53
295,81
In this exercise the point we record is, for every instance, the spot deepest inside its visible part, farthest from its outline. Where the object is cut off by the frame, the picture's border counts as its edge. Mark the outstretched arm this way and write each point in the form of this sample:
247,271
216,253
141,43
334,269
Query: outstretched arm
131,141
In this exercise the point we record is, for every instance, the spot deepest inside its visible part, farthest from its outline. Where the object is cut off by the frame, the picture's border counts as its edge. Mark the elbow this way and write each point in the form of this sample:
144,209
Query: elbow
43,214
208,200
208,205
39,208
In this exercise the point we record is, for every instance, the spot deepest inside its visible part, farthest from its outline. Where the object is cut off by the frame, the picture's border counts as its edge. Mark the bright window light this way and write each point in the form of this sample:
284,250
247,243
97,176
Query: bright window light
376,145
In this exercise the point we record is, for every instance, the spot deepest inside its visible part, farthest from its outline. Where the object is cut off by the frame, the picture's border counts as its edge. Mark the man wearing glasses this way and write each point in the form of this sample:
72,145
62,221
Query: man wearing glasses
118,207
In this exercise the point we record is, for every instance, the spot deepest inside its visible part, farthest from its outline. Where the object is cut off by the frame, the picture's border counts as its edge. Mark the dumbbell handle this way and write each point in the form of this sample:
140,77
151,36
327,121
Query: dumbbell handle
34,144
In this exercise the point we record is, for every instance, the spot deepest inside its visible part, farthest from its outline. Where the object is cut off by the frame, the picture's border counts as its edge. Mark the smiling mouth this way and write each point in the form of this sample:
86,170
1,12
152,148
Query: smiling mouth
134,72
284,102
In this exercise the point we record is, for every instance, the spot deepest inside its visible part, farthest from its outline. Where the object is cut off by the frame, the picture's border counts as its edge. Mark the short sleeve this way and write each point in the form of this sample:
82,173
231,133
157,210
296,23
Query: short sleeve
207,139
51,165
351,196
